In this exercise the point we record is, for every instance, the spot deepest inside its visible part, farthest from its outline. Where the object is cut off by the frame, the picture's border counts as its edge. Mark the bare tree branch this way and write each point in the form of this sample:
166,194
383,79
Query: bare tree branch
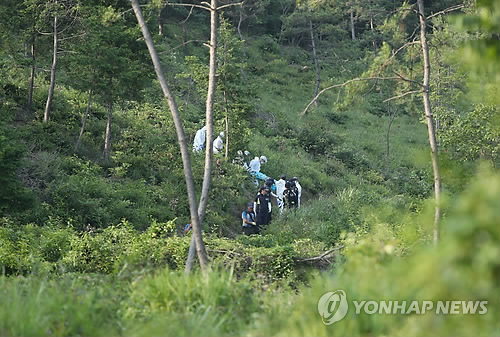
402,95
189,5
229,5
174,48
447,10
207,7
398,50
62,51
73,36
43,33
224,251
322,256
187,17
407,79
343,85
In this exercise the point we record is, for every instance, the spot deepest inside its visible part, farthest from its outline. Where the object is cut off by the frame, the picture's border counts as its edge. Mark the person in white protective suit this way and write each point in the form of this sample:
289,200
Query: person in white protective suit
255,165
246,160
256,162
280,187
199,139
218,143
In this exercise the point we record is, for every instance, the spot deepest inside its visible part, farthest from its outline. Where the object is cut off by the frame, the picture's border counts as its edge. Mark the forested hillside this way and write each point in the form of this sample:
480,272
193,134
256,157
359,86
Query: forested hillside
387,112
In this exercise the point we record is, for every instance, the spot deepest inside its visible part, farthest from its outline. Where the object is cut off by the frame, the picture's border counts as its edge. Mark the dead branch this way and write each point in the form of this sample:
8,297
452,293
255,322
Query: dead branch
73,36
402,95
398,50
62,51
206,7
189,5
343,85
323,256
407,79
223,251
447,10
187,17
229,5
182,44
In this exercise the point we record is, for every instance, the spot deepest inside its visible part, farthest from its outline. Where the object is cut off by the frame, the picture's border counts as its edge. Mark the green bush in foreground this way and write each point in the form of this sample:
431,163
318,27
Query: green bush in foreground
68,306
464,266
171,303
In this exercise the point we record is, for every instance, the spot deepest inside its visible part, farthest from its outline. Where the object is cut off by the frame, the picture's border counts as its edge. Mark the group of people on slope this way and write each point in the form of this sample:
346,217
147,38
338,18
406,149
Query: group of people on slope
258,213
199,141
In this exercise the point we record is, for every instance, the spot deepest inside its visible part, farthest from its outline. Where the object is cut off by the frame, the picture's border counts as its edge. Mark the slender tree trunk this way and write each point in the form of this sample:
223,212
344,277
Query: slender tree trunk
243,52
52,75
438,105
185,39
226,120
392,115
188,174
374,43
316,63
202,207
31,84
209,110
430,121
353,32
84,122
107,140
161,20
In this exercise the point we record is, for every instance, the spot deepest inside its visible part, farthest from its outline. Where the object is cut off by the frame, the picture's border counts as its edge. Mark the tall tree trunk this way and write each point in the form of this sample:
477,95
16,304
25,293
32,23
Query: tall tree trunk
107,140
392,115
52,75
430,121
84,122
226,120
31,84
202,207
374,43
188,174
161,20
243,52
316,63
353,32
185,39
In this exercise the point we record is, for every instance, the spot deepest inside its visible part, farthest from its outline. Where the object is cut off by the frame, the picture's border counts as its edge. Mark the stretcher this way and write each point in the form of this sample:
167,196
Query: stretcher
263,177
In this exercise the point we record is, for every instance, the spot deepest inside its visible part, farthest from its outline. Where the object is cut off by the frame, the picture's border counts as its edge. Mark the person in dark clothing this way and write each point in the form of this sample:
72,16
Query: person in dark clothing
289,196
297,189
249,224
269,183
262,208
269,193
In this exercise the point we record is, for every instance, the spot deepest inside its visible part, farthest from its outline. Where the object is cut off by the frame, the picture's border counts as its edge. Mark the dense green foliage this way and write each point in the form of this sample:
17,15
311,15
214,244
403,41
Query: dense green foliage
90,246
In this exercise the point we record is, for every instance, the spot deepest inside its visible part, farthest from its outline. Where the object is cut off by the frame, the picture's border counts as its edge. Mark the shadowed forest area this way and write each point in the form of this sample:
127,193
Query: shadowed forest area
386,111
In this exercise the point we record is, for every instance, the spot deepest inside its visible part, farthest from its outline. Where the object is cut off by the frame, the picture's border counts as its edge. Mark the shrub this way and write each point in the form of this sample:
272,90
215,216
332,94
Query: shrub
182,302
67,306
464,266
